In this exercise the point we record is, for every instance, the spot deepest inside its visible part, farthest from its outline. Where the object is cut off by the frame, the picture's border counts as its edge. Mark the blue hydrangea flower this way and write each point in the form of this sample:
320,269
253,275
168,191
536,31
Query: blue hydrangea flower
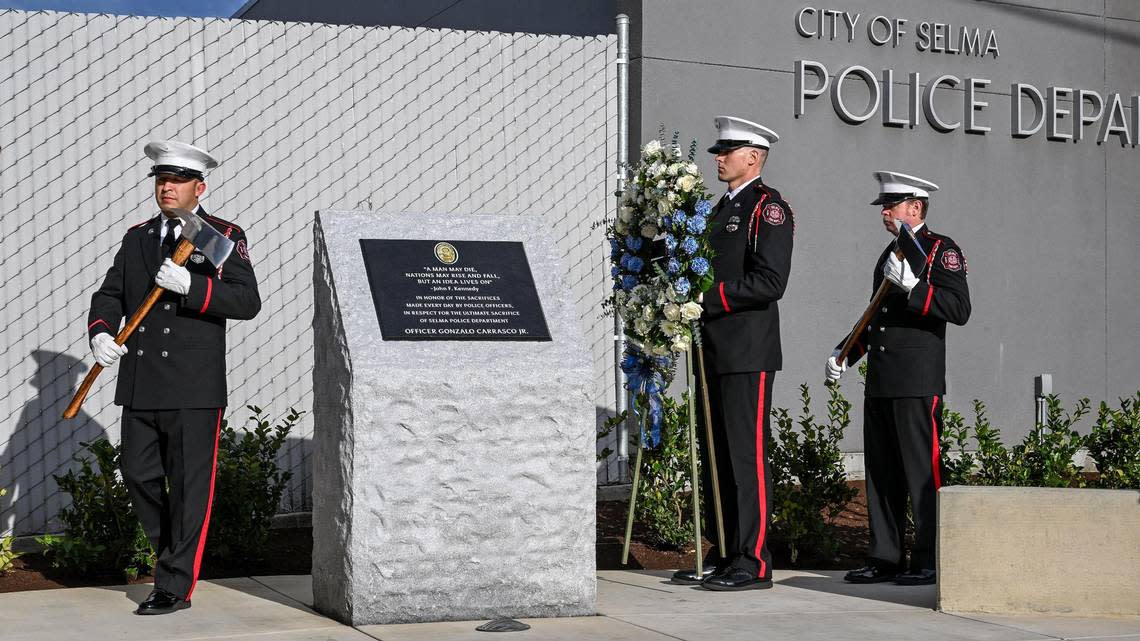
696,224
703,208
628,282
615,248
673,266
633,242
700,266
624,262
635,264
666,221
679,217
615,271
681,287
670,243
689,245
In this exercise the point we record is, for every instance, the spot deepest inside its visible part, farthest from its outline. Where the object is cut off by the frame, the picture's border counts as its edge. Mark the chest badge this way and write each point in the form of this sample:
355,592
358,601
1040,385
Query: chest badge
731,227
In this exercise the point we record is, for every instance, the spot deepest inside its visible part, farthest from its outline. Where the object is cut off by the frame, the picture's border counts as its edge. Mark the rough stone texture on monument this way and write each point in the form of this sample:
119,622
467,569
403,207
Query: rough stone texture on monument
453,480
1039,550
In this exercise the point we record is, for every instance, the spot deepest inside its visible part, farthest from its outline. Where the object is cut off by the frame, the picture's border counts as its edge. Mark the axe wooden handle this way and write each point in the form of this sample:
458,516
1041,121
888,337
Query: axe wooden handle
876,300
181,255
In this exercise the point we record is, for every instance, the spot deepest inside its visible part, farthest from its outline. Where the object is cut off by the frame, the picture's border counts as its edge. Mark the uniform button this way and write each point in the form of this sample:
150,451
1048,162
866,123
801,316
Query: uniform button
165,330
881,348
884,310
142,329
166,306
882,329
164,354
139,353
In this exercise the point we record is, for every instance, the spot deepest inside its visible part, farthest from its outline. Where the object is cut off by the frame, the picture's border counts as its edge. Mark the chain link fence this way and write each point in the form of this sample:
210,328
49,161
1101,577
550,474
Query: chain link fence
304,117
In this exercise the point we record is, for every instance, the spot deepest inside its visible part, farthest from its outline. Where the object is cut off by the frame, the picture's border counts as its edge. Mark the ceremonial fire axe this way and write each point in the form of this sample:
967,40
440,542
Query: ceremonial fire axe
196,234
906,248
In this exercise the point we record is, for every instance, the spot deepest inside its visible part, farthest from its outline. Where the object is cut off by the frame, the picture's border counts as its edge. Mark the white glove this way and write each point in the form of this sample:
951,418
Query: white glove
173,277
105,350
834,368
898,272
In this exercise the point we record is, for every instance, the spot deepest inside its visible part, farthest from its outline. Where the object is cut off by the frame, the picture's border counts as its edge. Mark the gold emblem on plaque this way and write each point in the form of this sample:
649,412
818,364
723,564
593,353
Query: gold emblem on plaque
446,253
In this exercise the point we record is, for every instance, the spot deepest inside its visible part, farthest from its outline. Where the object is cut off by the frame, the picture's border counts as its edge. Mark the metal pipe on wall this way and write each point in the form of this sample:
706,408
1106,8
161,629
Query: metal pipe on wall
621,397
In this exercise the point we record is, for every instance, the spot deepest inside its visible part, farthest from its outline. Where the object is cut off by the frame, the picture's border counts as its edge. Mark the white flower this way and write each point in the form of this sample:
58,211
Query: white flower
672,311
686,183
664,206
651,147
660,299
656,169
649,231
641,327
640,293
648,312
690,311
621,227
669,327
691,168
625,213
670,294
620,296
675,168
681,343
660,350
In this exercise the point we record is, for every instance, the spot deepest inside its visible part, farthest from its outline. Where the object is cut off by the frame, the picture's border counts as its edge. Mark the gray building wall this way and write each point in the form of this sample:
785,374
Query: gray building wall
1048,227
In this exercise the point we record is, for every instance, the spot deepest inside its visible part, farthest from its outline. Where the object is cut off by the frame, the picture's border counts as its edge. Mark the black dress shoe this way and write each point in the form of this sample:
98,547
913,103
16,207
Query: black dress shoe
871,574
732,579
690,577
917,577
162,602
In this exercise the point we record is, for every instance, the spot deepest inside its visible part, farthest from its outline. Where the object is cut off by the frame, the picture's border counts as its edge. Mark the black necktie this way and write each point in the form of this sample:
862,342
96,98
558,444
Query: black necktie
170,240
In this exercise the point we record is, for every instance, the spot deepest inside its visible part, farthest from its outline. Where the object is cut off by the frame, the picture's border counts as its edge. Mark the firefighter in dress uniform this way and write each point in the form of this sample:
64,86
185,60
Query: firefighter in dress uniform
172,380
905,344
751,230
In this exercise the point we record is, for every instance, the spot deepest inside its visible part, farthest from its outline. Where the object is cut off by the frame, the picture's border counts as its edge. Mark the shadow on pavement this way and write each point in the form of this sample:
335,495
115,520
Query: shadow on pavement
831,582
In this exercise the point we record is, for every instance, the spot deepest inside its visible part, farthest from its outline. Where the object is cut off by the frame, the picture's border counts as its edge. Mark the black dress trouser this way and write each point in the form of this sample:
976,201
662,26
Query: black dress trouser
740,406
168,463
900,442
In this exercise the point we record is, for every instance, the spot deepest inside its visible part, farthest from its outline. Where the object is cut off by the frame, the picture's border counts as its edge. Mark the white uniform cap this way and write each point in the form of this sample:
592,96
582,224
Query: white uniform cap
733,132
179,159
895,187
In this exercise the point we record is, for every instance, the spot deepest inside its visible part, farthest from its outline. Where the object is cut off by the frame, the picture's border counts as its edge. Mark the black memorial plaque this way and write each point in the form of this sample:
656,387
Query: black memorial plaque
463,290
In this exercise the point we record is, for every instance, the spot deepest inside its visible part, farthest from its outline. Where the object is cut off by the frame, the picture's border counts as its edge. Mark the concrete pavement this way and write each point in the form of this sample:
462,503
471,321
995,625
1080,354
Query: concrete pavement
632,606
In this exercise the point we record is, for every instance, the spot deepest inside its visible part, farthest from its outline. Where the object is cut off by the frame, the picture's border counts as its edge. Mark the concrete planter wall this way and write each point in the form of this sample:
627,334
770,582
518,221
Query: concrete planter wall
1044,550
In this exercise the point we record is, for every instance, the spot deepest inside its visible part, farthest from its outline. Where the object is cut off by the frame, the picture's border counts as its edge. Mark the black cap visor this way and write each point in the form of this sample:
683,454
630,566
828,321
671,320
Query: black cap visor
175,170
724,145
892,199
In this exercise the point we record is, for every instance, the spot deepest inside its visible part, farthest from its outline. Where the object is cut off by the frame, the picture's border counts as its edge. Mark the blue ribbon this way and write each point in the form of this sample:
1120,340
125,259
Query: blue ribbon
645,375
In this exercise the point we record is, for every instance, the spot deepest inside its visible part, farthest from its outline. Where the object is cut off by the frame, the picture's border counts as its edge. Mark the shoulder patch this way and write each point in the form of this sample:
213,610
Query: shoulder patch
242,249
774,214
952,260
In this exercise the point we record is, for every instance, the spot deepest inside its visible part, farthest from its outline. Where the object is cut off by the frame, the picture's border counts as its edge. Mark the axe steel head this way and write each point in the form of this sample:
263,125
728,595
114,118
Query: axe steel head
204,237
911,249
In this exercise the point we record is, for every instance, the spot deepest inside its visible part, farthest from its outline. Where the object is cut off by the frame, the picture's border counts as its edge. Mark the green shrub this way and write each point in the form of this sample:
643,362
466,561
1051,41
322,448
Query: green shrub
101,534
6,553
1045,457
248,486
1114,444
810,483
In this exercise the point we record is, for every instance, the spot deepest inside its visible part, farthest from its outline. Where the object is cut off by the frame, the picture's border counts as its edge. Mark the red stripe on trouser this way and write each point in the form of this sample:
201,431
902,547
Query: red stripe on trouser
935,456
209,504
760,416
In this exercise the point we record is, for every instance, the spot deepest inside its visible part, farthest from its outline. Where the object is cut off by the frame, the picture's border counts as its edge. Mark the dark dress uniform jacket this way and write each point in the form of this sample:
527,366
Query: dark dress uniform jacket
752,237
906,338
176,359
